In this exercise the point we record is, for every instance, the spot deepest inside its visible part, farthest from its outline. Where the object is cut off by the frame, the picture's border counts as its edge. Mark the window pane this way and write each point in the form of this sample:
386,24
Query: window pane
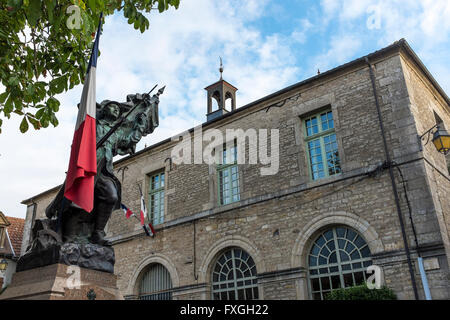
348,280
335,282
255,293
359,278
333,258
325,283
315,284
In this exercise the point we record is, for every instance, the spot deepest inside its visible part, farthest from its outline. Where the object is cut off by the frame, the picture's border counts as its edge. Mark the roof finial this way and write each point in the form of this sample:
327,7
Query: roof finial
221,68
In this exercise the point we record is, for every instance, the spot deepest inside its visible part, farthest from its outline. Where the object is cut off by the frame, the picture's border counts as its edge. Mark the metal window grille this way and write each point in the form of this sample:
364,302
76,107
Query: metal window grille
156,284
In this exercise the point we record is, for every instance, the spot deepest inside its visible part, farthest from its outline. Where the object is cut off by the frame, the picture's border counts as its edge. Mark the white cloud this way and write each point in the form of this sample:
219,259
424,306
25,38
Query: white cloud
300,34
424,24
341,50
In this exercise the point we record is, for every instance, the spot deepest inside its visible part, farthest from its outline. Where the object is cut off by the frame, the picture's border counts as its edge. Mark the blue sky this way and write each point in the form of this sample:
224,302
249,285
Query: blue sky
266,45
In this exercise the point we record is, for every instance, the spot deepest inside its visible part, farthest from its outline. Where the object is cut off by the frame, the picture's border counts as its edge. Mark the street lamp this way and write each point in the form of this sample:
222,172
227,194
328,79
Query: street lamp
441,139
3,265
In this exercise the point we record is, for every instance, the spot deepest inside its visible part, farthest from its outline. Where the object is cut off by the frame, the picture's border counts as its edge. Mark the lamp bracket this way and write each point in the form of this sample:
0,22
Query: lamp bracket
427,133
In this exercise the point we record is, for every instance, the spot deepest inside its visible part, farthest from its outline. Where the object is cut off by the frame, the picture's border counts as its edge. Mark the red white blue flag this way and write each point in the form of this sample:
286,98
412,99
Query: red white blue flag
143,208
128,213
79,186
147,228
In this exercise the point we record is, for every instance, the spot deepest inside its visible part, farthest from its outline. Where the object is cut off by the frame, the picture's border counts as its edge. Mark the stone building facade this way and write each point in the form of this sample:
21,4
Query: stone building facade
276,236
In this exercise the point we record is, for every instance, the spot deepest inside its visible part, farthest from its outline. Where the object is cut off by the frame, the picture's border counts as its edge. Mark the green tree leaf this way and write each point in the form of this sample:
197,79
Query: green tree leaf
53,104
33,12
24,125
3,97
36,124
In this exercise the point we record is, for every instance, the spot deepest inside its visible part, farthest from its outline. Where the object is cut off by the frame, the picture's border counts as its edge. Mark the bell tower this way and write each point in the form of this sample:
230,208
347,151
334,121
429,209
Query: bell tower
221,97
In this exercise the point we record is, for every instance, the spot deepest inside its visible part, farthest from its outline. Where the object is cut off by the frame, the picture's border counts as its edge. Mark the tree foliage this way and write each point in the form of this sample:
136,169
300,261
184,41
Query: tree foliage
44,52
361,292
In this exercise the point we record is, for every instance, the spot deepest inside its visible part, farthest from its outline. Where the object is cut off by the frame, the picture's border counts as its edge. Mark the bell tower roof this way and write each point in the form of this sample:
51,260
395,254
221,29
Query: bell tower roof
221,97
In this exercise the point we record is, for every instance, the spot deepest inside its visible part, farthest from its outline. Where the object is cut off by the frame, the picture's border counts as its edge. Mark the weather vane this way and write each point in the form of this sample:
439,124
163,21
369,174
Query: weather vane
221,68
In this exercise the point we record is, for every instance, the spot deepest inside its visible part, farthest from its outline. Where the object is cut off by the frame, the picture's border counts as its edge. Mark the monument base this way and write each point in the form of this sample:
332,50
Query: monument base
62,282
91,256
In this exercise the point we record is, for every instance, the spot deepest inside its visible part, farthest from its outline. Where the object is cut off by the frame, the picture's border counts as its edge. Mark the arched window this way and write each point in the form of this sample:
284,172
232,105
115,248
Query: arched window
155,283
215,101
338,258
228,101
234,276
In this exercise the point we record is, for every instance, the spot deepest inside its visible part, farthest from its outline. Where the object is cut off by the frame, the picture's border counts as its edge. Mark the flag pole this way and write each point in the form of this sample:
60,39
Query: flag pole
92,59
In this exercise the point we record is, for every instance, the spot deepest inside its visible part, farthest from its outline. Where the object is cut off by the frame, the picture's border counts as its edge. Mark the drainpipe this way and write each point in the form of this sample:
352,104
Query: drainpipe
423,274
394,186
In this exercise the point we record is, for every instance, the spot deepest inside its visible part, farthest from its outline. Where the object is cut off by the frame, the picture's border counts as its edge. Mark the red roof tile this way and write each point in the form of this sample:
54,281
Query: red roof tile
15,231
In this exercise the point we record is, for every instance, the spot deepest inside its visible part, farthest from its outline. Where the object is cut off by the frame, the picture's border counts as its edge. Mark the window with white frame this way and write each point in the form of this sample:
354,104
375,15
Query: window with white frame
156,198
234,276
321,144
228,175
338,258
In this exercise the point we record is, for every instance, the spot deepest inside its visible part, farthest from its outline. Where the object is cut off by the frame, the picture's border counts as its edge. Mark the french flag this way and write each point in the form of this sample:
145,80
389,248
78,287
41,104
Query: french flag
128,213
148,228
79,187
143,208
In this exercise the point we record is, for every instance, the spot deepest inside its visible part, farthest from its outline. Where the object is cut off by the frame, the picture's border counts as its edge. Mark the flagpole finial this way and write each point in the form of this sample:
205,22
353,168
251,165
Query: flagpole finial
160,91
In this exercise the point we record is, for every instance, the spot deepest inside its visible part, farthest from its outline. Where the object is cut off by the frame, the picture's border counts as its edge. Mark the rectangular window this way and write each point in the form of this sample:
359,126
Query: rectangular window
323,156
228,175
156,198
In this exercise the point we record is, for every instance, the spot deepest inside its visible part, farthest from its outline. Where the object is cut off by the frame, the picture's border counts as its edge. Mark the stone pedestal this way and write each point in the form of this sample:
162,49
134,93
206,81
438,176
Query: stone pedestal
90,256
62,282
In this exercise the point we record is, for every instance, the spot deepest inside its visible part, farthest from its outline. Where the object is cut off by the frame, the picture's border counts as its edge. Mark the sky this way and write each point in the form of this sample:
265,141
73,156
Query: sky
266,45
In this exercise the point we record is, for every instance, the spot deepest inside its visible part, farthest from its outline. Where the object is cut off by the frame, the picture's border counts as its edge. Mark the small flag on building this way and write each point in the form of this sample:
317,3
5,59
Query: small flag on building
143,208
79,185
128,212
149,230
